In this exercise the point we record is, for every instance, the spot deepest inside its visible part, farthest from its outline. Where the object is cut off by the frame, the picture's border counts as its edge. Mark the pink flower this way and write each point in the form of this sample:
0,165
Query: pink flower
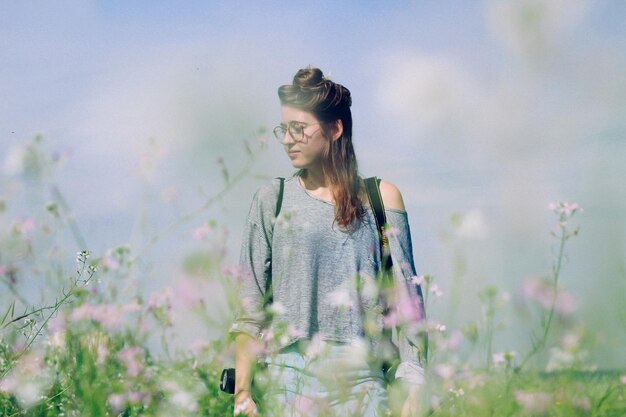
305,406
434,289
3,269
132,358
108,315
162,299
232,271
445,371
116,402
201,233
544,293
392,232
563,208
24,226
417,280
534,402
293,331
110,263
406,310
189,292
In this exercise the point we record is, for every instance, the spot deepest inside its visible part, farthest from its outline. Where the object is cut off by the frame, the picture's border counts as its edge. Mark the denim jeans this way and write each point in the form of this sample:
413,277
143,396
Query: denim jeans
330,379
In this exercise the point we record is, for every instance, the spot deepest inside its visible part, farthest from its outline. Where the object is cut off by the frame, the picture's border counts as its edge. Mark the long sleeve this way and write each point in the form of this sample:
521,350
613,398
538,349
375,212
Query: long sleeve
408,335
256,262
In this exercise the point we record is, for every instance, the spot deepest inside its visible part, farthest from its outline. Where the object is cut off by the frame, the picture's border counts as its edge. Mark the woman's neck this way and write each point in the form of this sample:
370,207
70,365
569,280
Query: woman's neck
317,184
314,179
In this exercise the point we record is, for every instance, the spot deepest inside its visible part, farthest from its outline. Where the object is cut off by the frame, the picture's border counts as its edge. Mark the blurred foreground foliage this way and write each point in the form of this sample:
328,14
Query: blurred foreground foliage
87,348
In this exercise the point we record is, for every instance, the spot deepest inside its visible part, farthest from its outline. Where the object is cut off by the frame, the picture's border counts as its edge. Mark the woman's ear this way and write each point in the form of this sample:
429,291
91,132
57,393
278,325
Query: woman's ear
337,129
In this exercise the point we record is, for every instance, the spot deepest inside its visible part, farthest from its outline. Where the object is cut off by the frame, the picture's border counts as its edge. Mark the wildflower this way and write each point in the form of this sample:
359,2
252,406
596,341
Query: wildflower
201,233
294,332
472,225
565,209
392,232
444,370
277,308
406,310
434,289
189,292
623,379
108,315
457,392
417,280
452,342
305,405
533,402
27,380
544,293
184,400
503,358
110,263
23,226
116,402
162,299
102,353
340,298
570,341
14,162
315,347
132,359
369,287
233,271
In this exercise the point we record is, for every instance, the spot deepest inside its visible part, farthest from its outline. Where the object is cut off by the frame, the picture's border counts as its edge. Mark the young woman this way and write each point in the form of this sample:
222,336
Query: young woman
322,257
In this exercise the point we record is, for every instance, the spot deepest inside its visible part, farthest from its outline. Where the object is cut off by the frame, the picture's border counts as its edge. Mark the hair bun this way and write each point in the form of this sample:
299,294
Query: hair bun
309,77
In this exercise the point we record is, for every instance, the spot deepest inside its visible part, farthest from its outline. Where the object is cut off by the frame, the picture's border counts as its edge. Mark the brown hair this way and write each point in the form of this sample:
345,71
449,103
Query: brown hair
328,102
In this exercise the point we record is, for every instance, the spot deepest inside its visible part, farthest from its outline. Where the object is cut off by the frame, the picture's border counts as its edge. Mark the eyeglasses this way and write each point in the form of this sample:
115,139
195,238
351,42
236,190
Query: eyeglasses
295,129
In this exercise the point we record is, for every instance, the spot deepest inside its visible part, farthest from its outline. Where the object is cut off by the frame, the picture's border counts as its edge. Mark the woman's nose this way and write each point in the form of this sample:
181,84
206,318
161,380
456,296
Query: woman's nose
287,139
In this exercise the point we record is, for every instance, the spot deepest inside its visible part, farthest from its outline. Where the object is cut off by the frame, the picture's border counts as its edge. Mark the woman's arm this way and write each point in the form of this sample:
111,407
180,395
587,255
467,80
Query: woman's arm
392,198
412,347
245,356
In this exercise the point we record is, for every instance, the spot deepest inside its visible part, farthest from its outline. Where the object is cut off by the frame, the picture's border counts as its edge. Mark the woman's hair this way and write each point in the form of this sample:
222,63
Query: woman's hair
328,102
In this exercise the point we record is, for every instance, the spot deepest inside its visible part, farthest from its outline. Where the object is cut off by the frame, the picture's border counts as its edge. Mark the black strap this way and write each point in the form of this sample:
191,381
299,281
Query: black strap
279,201
269,296
372,186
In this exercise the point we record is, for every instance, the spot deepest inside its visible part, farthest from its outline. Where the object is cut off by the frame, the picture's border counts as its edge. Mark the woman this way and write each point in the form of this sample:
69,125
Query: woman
321,255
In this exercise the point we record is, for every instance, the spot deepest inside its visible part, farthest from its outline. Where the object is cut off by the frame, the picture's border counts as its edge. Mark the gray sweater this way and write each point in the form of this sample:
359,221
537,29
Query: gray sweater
324,279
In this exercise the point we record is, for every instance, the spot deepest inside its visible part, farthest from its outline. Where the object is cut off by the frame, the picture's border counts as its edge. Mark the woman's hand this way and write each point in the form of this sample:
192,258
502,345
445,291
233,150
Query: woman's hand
411,406
245,405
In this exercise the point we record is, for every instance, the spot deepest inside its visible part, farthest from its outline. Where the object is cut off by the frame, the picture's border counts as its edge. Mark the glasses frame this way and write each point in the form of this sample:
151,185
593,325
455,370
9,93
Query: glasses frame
280,131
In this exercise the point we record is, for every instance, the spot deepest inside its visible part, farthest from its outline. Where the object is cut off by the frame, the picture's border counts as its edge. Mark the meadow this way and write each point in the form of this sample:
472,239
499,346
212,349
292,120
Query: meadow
93,345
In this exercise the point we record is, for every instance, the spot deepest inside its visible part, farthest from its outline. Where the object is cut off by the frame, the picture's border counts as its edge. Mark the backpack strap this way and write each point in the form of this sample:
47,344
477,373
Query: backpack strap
372,186
269,296
279,200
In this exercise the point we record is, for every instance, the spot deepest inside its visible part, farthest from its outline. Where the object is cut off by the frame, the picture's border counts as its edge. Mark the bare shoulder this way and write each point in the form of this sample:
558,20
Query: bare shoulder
392,198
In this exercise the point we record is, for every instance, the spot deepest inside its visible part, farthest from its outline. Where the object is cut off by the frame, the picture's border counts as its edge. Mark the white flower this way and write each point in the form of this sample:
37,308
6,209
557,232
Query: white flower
417,280
14,160
340,298
473,226
434,289
445,371
277,308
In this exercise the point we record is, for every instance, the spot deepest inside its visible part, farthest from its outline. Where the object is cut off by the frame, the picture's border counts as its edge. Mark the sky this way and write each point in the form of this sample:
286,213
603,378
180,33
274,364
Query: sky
487,109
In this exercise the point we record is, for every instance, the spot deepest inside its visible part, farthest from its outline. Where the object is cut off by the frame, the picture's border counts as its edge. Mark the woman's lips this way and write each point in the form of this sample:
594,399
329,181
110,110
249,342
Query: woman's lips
293,153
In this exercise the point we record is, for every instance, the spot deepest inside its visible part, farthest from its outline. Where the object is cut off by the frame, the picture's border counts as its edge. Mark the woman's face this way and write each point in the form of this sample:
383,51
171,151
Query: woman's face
304,141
